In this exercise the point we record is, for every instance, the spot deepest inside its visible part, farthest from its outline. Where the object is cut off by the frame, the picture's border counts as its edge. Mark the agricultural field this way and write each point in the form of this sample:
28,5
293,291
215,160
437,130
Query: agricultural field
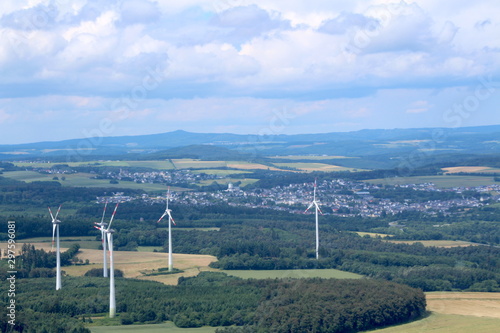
226,181
293,273
457,312
160,165
311,158
372,234
309,167
86,242
471,169
157,328
80,180
444,181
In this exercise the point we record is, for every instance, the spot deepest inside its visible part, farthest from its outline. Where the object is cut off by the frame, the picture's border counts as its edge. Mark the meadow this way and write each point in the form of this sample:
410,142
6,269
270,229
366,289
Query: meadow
293,273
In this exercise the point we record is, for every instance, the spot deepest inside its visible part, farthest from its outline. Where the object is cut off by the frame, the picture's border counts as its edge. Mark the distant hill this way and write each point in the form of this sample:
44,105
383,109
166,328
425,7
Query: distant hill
383,147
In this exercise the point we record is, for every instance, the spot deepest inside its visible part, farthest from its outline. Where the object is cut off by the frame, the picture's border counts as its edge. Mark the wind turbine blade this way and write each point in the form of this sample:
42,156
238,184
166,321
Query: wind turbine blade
312,204
161,218
58,210
113,216
52,216
319,209
53,234
171,218
104,212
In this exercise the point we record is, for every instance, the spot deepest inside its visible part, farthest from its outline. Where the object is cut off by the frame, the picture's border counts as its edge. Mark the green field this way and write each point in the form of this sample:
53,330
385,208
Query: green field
225,181
158,328
440,181
160,165
149,248
293,273
436,323
445,323
81,180
221,172
86,242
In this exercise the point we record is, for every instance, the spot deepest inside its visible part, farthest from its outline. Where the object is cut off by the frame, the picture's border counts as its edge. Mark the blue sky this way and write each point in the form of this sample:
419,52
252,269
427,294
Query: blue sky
83,68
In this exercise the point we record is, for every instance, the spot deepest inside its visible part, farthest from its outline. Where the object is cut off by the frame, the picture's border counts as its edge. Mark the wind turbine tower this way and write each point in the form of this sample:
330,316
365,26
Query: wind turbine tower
55,233
109,234
103,225
317,209
170,221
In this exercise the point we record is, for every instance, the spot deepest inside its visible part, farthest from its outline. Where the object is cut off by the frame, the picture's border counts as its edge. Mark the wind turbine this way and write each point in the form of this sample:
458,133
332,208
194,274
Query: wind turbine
55,233
170,221
103,225
315,204
109,234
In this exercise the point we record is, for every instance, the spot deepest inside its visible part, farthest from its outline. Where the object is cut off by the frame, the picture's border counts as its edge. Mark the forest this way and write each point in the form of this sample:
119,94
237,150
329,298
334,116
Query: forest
214,299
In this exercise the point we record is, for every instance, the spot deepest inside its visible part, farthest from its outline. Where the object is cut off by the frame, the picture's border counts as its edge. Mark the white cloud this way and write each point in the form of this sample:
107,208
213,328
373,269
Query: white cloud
224,59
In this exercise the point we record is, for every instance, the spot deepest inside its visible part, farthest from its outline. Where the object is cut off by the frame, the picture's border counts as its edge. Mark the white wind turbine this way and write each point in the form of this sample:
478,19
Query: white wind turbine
55,233
103,225
315,204
109,233
170,221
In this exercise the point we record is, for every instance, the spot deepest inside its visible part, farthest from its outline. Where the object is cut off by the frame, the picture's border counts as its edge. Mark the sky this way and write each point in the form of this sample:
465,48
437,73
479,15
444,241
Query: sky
91,68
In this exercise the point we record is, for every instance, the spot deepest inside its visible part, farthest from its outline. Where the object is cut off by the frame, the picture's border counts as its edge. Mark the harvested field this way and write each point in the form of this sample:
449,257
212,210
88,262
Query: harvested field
471,169
132,263
465,303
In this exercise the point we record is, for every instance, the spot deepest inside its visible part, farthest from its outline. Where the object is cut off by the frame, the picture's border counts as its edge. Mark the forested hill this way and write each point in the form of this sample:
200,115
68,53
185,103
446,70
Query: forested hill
465,140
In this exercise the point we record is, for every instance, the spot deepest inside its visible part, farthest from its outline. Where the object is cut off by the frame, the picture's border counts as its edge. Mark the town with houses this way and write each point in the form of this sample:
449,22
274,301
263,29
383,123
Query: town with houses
339,197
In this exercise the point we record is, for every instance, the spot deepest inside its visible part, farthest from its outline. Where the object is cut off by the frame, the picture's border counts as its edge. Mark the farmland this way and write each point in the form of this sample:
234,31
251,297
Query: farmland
471,169
443,181
293,273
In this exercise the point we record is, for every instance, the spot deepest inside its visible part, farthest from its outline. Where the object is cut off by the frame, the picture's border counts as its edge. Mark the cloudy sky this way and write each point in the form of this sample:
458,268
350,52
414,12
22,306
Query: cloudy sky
83,68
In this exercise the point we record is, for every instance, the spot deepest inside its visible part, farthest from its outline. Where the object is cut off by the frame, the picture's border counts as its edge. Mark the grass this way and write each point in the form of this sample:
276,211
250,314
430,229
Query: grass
86,242
293,273
444,323
157,328
226,181
444,181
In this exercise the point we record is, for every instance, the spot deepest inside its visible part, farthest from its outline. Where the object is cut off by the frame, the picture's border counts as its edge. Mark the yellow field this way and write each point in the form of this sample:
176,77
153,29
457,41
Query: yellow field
249,166
372,234
466,304
132,263
471,169
309,167
456,313
437,243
